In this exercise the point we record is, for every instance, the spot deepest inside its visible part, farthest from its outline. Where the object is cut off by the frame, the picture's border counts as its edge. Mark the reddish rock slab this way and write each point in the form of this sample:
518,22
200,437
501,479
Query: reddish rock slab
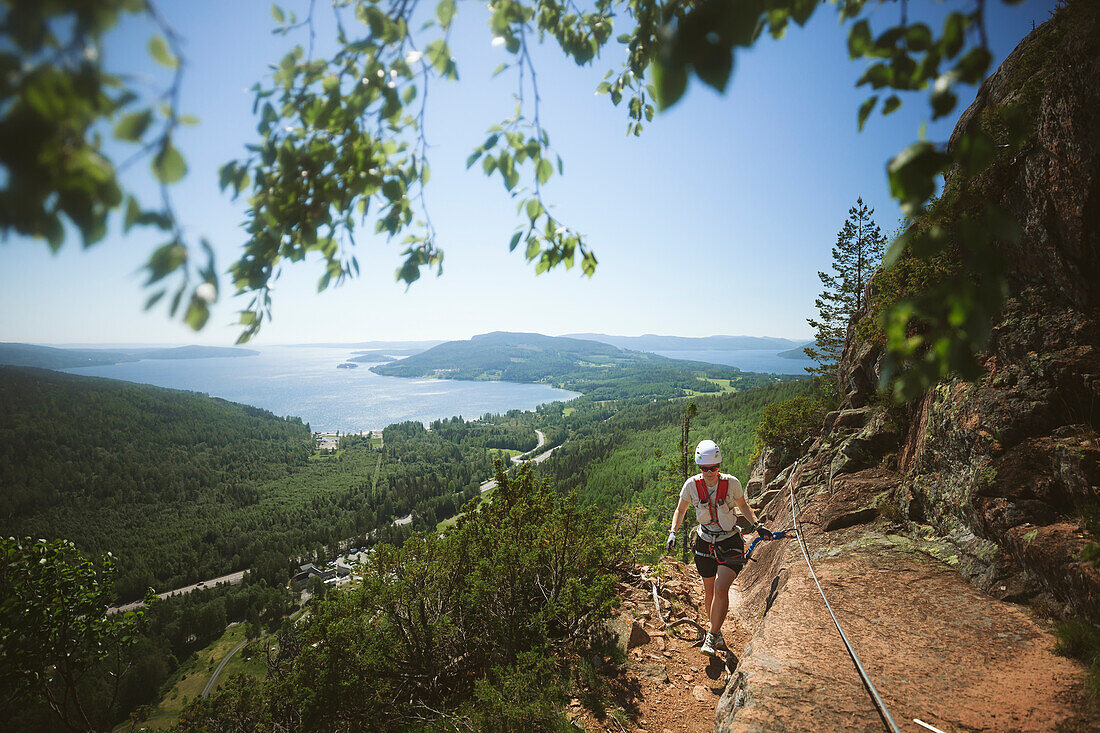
936,648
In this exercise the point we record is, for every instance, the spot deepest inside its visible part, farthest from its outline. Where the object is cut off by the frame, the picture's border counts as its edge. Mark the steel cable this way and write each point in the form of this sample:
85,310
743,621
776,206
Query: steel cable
867,684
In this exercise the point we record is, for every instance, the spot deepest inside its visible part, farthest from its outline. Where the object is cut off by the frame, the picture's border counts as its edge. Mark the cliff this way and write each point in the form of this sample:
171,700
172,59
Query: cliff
948,532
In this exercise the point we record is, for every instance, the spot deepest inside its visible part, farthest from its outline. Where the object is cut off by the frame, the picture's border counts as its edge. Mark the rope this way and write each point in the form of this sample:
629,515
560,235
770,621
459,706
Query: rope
867,684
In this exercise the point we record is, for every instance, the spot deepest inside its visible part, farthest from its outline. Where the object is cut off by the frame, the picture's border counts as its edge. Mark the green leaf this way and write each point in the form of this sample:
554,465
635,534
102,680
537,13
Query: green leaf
445,12
714,64
158,49
168,165
165,259
197,314
878,76
913,175
278,14
515,240
545,170
972,67
154,299
439,55
532,249
670,80
534,209
954,29
189,120
865,110
801,10
859,39
133,213
892,103
918,37
132,126
943,101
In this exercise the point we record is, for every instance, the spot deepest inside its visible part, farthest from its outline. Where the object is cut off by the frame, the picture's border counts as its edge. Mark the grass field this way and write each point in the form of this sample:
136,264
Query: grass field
188,681
504,454
447,523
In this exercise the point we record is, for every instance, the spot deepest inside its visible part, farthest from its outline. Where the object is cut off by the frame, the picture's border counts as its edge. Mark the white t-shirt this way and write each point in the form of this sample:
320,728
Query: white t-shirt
726,521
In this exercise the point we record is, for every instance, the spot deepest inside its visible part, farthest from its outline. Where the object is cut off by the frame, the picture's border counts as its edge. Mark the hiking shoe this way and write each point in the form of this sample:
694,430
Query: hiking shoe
720,643
709,642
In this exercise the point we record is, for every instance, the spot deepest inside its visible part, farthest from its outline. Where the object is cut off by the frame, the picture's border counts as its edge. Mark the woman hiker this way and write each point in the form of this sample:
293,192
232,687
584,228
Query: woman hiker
718,544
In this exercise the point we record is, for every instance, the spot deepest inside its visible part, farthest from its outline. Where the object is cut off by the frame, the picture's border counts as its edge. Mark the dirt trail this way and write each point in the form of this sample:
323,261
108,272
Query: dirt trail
667,684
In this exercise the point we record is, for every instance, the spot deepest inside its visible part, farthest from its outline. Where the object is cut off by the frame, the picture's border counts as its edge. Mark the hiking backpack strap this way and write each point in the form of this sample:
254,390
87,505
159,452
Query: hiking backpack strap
719,497
701,487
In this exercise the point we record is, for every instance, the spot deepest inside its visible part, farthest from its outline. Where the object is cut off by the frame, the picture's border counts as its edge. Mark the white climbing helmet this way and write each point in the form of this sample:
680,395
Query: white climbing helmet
707,453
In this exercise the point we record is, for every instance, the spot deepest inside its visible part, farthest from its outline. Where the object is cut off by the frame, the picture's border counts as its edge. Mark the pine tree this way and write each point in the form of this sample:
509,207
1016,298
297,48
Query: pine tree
858,251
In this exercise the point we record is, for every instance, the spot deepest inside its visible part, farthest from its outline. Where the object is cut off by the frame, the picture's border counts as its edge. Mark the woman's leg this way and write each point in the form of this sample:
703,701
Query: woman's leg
708,593
720,589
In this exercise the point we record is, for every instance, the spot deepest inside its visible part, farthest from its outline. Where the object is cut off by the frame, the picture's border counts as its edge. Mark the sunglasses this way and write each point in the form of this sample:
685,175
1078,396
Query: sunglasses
707,469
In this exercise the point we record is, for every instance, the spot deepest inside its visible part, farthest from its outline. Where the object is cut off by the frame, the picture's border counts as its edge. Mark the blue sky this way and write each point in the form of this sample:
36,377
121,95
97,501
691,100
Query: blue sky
715,221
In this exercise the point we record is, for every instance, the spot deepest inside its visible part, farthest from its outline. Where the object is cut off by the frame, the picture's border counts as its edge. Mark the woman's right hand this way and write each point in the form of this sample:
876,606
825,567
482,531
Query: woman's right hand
671,541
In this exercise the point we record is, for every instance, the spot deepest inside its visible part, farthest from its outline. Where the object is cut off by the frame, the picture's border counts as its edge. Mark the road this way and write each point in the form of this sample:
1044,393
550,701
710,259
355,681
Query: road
542,441
492,483
232,578
214,677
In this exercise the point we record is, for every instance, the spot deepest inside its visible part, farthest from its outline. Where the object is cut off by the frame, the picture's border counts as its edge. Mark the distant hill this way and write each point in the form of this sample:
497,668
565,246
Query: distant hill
371,357
651,342
594,368
49,357
797,352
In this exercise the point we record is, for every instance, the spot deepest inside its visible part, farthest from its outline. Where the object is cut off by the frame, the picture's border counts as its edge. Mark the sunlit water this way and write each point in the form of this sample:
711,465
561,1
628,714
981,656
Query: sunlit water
304,382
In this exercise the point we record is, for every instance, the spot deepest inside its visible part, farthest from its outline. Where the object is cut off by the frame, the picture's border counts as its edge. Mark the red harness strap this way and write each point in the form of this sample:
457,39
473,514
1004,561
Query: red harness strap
704,495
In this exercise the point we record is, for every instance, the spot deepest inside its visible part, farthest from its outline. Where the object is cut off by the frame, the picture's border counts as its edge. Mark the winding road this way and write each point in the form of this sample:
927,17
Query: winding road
214,677
492,483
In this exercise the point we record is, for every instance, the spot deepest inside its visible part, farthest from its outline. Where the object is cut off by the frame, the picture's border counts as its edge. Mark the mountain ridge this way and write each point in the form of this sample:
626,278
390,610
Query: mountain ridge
589,367
655,342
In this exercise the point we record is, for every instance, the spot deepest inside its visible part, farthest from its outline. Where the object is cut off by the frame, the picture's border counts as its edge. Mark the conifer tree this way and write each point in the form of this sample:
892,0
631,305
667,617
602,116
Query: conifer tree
859,247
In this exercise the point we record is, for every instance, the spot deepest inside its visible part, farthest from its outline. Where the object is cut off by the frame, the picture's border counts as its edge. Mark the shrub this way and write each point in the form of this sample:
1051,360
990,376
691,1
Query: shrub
787,425
476,628
1079,639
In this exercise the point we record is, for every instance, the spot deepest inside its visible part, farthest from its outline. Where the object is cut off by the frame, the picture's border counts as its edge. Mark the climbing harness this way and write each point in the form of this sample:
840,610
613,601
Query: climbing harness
867,684
704,494
715,552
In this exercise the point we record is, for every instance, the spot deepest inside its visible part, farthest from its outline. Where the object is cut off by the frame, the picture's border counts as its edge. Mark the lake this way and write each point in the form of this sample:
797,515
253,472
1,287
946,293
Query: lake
304,382
747,360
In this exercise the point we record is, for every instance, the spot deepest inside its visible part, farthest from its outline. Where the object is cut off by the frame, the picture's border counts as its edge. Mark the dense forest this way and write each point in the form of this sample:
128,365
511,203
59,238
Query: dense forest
183,487
149,657
599,371
476,629
622,457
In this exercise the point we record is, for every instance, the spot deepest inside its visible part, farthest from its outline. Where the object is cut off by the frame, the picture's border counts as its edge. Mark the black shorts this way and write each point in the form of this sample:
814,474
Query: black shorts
731,547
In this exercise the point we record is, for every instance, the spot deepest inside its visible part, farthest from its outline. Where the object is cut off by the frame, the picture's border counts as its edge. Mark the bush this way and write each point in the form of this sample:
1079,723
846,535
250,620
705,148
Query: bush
1080,640
787,425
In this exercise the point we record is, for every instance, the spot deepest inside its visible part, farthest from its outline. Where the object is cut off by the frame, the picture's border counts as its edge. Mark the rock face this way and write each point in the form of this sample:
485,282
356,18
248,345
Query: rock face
1012,459
929,524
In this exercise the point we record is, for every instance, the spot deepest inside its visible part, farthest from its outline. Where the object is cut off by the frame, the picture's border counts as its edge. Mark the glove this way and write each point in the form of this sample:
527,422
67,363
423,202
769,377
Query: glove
671,541
763,531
